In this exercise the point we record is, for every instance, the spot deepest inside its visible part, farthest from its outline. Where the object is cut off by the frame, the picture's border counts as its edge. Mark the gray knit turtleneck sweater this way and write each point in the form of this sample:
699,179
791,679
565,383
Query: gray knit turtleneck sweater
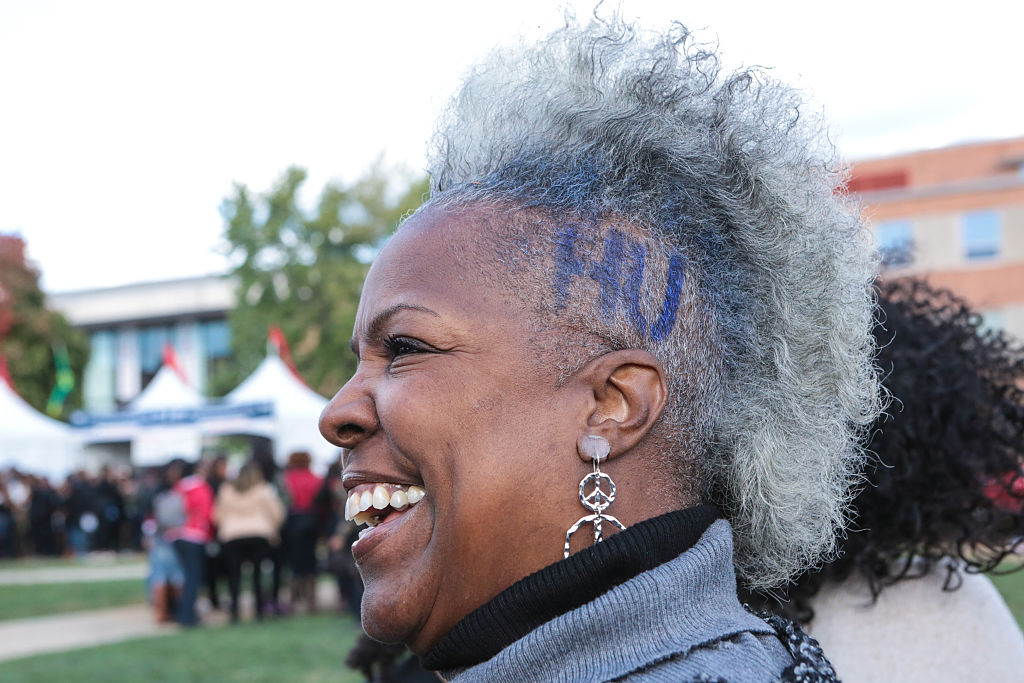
678,622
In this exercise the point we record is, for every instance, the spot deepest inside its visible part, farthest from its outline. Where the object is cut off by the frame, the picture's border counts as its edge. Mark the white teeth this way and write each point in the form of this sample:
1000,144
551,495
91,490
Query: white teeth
399,500
381,499
363,518
363,532
362,507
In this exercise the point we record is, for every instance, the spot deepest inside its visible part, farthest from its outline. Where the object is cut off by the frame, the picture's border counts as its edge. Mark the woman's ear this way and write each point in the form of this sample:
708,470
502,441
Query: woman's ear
629,393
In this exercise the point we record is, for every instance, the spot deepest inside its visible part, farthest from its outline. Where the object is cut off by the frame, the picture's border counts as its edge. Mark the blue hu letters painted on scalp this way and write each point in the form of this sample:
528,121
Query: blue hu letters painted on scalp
566,263
673,291
620,254
606,273
634,282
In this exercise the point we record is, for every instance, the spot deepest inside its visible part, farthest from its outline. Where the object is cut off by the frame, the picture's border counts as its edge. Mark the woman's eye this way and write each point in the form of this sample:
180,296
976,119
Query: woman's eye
404,346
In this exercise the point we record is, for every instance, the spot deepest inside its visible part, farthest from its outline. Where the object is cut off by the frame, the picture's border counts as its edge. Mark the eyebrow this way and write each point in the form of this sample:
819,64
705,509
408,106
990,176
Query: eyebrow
382,318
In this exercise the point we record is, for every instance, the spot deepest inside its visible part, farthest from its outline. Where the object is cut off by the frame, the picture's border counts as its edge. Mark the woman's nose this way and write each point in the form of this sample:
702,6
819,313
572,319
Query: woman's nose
351,415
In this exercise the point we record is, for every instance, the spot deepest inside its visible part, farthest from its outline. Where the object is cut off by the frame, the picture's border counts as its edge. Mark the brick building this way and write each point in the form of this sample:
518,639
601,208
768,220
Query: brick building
956,215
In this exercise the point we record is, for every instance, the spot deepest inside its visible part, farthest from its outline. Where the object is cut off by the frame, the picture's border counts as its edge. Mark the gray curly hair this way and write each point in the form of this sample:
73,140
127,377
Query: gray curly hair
703,206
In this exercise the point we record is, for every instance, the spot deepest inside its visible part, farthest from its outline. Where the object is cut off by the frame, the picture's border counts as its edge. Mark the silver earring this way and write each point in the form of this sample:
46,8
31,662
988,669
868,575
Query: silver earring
596,500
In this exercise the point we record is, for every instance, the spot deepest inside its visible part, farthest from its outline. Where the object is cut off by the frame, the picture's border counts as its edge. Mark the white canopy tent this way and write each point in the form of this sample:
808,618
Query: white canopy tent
157,444
166,390
32,441
159,423
296,411
170,418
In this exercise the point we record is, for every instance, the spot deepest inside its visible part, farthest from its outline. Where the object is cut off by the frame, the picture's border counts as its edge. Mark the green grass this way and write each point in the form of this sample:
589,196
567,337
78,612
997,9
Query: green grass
88,561
1011,586
302,649
38,599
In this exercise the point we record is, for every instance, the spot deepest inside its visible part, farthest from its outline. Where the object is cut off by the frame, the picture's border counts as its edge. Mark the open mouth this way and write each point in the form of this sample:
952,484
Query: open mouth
374,504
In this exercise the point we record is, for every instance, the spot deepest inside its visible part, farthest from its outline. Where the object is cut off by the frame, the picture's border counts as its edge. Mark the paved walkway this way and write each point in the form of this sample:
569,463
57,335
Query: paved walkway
38,635
24,637
72,574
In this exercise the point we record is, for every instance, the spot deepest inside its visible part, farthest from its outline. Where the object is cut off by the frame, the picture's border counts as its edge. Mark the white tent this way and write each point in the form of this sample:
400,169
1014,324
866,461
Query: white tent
157,444
297,408
170,419
32,441
165,391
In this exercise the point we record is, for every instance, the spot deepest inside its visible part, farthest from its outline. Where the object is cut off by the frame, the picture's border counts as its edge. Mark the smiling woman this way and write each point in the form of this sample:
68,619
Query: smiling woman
634,301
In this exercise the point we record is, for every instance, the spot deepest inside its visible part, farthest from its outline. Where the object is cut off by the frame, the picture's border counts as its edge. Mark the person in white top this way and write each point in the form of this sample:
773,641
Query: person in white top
941,505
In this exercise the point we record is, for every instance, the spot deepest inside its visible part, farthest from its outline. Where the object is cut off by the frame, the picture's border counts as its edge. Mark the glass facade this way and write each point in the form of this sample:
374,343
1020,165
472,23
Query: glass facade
215,338
98,383
896,243
982,235
199,346
152,339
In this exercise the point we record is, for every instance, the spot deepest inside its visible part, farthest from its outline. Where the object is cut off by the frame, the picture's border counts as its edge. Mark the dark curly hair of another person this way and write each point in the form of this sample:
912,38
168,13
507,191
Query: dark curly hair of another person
946,483
384,663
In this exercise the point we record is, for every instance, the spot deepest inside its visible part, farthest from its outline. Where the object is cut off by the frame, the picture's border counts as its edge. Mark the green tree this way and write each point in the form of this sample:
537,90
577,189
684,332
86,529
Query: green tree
29,330
303,270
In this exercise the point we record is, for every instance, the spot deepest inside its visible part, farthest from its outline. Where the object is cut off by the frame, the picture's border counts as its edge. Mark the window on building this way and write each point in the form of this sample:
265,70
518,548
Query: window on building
982,235
896,243
152,340
99,381
215,337
215,341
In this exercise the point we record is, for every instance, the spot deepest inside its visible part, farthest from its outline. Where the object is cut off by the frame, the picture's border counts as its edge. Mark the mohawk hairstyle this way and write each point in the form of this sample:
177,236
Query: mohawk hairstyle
770,365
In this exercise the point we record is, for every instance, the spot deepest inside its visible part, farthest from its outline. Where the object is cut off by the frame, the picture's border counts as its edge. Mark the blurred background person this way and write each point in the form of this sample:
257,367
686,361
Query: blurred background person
43,503
18,491
214,570
80,515
301,487
109,508
133,498
8,530
263,455
907,599
248,514
167,514
189,540
386,663
338,535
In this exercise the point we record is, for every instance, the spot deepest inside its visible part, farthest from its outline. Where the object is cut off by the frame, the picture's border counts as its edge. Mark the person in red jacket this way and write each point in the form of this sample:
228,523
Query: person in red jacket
190,539
301,486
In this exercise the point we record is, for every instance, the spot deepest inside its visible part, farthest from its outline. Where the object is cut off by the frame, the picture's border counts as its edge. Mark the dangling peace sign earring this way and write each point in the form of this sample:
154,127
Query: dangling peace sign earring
595,499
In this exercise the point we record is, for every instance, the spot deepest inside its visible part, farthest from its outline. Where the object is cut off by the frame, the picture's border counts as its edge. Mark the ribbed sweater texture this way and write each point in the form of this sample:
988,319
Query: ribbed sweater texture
680,621
565,585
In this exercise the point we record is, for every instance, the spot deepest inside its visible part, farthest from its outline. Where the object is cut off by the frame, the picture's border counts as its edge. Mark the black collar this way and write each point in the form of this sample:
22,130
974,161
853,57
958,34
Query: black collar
568,584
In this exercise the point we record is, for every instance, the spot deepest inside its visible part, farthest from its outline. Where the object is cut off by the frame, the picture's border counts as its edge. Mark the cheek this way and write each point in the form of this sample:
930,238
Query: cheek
482,442
442,409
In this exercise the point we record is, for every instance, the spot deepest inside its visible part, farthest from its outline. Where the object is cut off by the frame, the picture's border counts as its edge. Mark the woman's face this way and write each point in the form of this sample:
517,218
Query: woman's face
448,397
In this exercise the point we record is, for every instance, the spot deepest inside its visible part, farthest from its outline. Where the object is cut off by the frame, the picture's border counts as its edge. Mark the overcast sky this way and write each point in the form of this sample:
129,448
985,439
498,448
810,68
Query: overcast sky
124,124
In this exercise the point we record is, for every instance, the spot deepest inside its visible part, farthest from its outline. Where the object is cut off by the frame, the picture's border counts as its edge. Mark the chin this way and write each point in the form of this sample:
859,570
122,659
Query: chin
382,630
390,614
382,623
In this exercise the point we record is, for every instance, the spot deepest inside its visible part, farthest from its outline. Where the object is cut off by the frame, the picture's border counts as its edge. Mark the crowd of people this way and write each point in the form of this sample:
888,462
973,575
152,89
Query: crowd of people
206,526
201,527
82,513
